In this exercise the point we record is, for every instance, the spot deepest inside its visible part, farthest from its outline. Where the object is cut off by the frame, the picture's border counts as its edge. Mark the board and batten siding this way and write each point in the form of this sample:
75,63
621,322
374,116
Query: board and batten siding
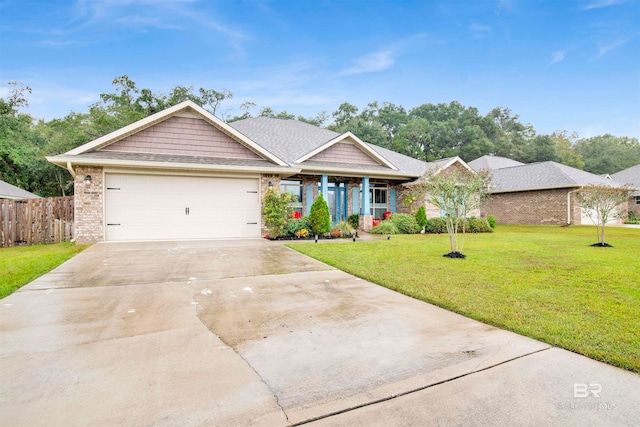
183,136
344,152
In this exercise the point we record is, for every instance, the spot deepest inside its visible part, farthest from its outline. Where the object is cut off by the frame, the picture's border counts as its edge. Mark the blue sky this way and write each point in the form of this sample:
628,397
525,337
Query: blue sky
559,65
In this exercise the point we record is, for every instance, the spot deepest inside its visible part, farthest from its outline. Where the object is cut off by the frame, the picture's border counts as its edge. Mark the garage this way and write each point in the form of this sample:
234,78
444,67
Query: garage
167,207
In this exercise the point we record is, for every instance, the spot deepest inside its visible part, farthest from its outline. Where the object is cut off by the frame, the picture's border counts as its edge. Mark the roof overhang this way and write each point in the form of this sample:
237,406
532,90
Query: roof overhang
350,172
165,114
67,162
364,147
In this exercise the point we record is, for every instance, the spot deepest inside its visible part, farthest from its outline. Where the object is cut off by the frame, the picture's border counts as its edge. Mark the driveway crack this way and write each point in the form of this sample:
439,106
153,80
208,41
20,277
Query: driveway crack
262,380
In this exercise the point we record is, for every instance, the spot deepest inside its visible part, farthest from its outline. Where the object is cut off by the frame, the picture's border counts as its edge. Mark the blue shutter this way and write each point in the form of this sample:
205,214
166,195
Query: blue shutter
355,192
392,208
309,199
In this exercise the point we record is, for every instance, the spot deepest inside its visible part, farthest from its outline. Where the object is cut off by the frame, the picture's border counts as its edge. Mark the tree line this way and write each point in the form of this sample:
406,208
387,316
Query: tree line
427,132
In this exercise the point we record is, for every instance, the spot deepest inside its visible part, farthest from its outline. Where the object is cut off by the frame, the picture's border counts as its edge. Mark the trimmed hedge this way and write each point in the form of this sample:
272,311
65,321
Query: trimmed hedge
405,223
474,225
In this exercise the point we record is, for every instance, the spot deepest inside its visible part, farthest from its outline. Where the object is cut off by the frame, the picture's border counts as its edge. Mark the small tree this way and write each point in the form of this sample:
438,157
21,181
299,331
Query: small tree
320,217
456,193
602,202
421,217
276,211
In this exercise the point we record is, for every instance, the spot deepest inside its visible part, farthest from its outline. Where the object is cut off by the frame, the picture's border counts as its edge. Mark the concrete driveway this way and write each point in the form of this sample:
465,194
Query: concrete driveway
253,333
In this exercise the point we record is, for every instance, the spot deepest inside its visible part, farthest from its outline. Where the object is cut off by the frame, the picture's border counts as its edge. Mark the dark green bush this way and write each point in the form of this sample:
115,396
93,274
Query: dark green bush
320,217
632,218
405,223
295,225
436,226
421,217
385,227
354,220
492,221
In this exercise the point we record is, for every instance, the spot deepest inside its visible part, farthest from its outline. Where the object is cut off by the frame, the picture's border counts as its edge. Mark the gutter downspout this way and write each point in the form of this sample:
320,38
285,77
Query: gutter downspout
569,204
70,169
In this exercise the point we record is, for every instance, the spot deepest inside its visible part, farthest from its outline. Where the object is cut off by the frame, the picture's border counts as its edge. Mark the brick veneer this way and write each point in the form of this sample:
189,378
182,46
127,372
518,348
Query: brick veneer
533,207
88,201
633,206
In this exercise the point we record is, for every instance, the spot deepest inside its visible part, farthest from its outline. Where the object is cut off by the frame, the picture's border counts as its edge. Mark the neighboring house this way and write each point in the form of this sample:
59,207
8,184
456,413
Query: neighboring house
536,193
631,176
184,174
9,191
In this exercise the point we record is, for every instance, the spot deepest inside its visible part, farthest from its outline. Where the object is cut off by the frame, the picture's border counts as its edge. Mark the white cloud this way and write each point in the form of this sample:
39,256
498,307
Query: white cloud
371,63
479,30
603,50
598,4
557,57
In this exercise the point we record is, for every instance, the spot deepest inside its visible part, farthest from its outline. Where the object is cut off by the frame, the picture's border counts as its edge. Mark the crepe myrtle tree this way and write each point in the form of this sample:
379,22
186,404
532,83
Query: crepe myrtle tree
601,202
456,193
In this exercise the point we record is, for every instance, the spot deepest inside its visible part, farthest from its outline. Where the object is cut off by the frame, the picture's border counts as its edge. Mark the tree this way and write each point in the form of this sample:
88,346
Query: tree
319,216
600,203
421,217
456,193
276,211
608,154
565,149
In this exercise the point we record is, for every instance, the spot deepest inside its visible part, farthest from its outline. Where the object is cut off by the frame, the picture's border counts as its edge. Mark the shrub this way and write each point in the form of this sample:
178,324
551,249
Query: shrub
354,220
421,217
295,225
319,216
405,223
276,211
478,225
633,218
385,227
344,228
492,221
436,226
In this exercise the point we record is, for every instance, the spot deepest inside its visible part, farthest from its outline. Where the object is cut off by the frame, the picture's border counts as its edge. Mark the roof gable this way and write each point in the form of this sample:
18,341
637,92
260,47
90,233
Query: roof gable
629,176
189,111
349,144
181,135
493,162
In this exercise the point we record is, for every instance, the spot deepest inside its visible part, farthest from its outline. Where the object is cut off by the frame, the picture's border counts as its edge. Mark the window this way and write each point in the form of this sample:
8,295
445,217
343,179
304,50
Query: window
637,200
379,205
293,187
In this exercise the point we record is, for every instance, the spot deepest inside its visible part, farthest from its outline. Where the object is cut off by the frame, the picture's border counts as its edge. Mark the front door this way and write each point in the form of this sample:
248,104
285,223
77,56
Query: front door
337,202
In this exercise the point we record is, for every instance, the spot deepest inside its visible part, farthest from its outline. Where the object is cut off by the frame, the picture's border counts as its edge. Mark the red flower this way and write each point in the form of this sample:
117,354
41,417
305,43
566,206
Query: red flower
387,215
295,215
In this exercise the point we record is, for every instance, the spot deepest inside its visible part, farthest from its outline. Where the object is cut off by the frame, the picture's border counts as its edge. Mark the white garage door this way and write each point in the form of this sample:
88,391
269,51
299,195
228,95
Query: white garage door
155,207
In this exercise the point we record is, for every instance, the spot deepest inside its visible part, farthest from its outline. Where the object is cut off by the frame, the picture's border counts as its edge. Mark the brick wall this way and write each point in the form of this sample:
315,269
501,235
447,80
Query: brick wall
633,205
88,201
532,207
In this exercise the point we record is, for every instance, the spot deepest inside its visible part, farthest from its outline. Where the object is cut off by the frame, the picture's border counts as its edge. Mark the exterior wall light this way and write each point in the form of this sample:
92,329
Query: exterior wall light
87,179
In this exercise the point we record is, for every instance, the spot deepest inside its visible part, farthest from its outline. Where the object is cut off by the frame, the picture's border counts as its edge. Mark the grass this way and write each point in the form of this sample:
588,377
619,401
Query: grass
544,282
21,265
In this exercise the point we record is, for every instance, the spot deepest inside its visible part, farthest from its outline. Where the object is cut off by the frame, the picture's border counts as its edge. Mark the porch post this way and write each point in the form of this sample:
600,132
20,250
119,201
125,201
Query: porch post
365,207
324,183
366,219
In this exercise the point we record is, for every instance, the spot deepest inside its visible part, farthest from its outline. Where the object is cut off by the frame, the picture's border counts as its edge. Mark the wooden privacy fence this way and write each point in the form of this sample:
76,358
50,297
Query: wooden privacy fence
36,221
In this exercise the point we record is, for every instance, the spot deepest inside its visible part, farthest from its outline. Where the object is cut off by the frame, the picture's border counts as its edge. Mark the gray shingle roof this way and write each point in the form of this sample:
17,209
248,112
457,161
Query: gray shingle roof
9,191
291,139
543,175
492,162
287,139
629,176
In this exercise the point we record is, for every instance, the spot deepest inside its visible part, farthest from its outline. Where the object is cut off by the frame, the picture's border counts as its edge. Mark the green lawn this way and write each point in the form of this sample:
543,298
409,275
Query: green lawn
21,265
544,282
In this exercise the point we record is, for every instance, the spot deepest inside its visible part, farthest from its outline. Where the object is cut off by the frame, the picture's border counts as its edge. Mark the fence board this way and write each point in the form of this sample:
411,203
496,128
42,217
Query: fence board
36,221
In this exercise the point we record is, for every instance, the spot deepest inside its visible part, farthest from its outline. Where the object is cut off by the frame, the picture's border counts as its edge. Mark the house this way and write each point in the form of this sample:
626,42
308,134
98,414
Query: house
631,176
184,174
9,191
536,193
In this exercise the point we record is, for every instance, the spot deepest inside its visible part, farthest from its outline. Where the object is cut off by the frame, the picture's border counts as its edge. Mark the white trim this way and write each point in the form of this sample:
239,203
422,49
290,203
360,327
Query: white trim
165,114
62,160
202,174
358,142
355,172
457,159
